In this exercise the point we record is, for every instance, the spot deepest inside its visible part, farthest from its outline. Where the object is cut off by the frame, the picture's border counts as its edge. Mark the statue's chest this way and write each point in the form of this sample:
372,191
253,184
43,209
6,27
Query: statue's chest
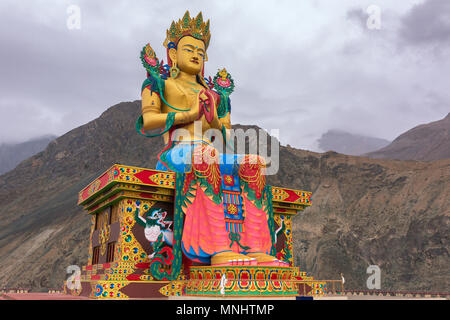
183,93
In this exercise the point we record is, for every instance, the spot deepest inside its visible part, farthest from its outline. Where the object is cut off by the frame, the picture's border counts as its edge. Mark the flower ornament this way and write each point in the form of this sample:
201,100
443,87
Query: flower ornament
149,59
223,82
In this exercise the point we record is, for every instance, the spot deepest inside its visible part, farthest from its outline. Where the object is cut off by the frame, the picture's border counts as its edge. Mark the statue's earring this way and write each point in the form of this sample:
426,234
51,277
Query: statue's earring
174,71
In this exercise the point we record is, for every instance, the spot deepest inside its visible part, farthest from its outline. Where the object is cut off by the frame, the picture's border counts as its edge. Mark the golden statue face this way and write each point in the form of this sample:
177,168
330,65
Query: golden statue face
189,55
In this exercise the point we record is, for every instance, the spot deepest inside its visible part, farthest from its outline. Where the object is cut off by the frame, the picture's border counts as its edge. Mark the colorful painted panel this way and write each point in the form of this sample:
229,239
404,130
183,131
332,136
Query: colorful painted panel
283,235
127,174
163,179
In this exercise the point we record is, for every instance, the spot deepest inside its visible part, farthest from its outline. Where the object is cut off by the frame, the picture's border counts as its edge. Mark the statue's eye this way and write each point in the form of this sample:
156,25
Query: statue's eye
188,50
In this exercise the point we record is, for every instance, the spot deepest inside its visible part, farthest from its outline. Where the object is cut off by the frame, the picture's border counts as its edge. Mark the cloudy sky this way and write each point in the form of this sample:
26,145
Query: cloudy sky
303,67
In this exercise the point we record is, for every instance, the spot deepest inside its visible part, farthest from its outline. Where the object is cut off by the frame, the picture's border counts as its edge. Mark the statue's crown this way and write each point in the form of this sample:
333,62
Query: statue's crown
186,26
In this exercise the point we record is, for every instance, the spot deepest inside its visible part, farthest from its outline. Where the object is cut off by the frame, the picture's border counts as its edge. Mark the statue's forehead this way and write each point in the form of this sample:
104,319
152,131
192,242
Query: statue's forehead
191,41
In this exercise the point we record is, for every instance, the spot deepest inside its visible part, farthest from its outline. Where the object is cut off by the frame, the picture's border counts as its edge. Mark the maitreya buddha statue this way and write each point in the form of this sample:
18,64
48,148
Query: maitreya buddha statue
226,212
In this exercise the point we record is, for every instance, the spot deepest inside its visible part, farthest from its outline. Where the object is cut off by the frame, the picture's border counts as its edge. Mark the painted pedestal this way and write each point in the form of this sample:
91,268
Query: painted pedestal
121,265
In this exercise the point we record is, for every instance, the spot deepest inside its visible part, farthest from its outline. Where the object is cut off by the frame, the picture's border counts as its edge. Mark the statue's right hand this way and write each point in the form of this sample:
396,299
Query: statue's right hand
194,113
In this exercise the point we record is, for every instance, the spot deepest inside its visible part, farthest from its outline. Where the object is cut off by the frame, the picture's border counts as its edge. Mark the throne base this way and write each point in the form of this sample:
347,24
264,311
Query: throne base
241,281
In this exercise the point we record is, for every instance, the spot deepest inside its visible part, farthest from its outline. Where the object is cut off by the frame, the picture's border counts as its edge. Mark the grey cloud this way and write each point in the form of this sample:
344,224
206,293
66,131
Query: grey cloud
357,15
302,79
427,23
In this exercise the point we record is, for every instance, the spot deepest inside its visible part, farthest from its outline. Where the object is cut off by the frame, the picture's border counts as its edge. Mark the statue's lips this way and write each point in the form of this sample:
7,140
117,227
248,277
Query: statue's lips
195,61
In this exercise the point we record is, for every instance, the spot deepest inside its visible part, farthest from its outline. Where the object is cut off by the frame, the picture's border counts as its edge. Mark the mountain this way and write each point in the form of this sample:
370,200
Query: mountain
426,142
12,154
349,143
394,214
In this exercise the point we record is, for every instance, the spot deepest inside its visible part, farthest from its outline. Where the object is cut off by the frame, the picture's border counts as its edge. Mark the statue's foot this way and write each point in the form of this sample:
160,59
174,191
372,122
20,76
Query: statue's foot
266,260
230,258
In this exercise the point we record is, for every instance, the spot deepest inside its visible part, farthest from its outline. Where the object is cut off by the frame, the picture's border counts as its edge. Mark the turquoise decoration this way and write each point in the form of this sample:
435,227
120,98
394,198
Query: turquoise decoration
271,222
223,82
169,123
178,225
224,85
236,237
160,259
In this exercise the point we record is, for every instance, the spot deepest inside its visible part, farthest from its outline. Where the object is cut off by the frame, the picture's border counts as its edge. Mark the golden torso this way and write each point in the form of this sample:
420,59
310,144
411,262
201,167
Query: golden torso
182,94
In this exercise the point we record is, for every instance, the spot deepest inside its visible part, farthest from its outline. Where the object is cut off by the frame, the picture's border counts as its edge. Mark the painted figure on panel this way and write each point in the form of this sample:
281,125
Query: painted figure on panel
227,208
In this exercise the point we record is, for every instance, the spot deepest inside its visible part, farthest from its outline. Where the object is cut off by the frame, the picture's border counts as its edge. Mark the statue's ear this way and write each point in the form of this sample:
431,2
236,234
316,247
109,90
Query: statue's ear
173,54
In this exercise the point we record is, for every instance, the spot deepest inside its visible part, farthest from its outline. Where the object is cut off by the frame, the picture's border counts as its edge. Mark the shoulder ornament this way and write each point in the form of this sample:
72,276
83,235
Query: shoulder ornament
157,72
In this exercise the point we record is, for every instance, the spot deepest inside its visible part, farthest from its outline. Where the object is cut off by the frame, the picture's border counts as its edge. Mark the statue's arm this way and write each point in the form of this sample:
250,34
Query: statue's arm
226,121
153,117
138,218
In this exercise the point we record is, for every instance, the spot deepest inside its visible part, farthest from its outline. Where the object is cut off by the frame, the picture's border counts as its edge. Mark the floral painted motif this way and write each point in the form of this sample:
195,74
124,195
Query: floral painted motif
205,161
223,82
252,172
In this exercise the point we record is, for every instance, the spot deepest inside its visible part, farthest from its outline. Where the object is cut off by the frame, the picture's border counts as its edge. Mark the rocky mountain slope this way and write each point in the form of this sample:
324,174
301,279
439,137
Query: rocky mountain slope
365,211
426,142
12,154
348,143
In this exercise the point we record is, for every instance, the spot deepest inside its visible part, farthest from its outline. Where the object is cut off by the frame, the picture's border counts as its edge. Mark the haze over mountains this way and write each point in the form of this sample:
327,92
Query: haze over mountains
394,214
11,154
348,143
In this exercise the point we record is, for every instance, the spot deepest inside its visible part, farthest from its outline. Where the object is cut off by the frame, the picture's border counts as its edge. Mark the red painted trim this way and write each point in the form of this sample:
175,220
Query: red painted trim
146,195
133,277
292,196
144,176
142,265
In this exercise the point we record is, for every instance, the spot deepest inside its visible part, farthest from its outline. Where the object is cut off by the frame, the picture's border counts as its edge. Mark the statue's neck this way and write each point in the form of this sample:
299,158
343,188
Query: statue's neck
187,77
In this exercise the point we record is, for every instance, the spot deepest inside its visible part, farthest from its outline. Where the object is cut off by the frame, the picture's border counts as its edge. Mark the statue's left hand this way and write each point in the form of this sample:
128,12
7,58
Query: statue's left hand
207,105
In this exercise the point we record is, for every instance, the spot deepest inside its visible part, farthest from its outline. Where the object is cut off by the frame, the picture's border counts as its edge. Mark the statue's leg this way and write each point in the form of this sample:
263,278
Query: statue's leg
257,234
204,235
204,232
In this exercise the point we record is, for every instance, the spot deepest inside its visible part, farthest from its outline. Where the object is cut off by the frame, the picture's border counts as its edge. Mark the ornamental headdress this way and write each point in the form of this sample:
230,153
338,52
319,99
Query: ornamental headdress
186,26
